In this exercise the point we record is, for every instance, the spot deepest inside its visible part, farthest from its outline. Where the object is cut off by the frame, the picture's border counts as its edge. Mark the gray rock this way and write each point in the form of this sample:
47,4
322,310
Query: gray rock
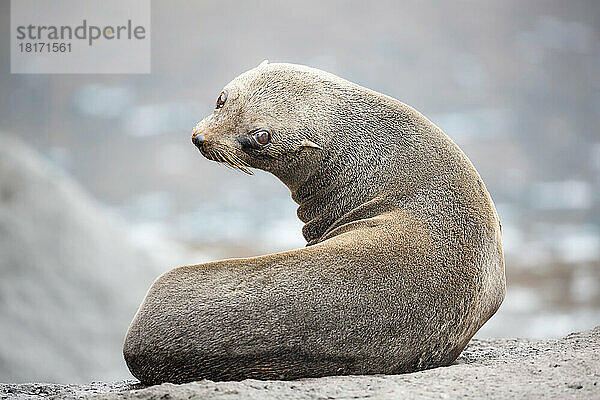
488,368
26,391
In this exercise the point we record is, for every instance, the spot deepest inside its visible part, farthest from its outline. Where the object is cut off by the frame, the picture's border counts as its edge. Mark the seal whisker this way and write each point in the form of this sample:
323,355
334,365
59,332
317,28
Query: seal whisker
240,164
222,158
229,159
240,161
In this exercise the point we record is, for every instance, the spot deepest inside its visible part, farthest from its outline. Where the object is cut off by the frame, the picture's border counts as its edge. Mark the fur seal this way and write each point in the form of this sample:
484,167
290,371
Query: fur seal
403,263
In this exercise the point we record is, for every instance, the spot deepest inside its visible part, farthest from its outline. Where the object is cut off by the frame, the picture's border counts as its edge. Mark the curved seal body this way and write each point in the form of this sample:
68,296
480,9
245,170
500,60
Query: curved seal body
404,259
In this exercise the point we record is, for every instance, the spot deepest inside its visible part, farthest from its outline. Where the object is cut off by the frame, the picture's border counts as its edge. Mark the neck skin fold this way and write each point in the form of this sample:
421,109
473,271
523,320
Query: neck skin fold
329,189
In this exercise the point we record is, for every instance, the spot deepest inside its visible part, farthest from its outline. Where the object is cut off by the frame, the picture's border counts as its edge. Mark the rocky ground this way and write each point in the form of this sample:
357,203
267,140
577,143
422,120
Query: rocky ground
488,368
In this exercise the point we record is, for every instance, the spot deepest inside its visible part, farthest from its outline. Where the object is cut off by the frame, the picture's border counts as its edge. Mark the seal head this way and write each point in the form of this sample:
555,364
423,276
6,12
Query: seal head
250,125
319,134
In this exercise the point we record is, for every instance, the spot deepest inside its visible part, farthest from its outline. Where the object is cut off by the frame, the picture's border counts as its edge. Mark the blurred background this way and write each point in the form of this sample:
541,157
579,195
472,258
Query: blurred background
101,189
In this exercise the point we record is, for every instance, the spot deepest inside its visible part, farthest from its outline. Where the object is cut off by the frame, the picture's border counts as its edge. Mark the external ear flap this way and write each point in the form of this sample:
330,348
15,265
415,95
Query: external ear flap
265,62
309,143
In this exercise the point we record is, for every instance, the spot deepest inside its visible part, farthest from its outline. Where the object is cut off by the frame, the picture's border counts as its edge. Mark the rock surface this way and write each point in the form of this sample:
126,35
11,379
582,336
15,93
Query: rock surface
488,368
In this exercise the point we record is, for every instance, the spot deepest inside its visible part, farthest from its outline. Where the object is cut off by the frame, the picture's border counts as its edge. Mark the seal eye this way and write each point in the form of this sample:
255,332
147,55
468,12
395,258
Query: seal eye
262,137
221,100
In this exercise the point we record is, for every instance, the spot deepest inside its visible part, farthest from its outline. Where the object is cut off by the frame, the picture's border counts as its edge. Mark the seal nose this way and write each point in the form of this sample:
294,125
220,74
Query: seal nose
198,139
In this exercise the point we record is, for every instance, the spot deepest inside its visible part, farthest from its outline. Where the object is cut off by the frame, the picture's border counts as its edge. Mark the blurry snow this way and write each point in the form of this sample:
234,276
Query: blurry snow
523,314
242,222
150,206
584,286
551,33
154,119
173,158
543,324
555,34
475,125
569,194
468,71
595,155
101,101
60,156
577,243
151,237
284,233
548,243
521,299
